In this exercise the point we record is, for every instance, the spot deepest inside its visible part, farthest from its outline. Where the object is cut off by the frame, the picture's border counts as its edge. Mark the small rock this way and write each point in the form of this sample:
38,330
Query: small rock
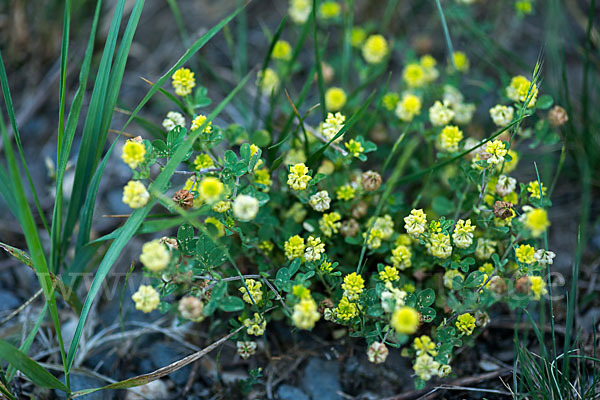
8,301
163,354
287,392
81,382
321,379
155,390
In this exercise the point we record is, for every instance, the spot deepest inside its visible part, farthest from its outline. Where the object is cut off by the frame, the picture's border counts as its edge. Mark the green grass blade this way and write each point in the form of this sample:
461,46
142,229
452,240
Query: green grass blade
29,367
11,370
135,220
446,33
319,65
64,53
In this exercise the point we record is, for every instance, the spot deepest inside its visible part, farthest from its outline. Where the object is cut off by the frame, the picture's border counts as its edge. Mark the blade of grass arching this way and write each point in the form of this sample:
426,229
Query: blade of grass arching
446,33
116,77
319,65
85,166
63,74
8,193
66,143
11,370
32,238
390,185
132,224
267,59
355,117
13,120
34,371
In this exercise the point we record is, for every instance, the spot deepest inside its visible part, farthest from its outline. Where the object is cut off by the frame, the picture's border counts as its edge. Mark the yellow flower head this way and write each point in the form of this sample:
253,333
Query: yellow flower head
305,313
424,345
133,153
282,50
401,257
294,247
536,220
330,223
267,81
405,320
346,310
183,81
461,62
414,75
449,278
533,188
345,192
329,9
408,107
375,49
519,89
354,148
449,138
525,254
496,151
358,36
263,177
217,224
538,286
199,121
203,161
465,323
300,10
255,326
439,245
210,189
146,299
389,274
298,177
135,194
335,99
415,223
353,286
254,290
155,255
390,100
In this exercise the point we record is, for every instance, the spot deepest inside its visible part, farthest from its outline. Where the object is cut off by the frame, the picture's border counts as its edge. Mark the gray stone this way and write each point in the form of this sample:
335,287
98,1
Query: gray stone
287,392
81,382
8,301
163,354
321,379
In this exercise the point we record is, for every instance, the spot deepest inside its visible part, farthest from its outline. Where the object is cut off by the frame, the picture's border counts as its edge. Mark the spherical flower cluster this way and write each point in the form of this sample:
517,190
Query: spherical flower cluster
335,99
305,313
267,81
320,201
330,223
294,247
155,255
332,125
221,206
485,248
377,353
449,278
382,229
401,257
255,326
525,254
538,286
246,349
536,220
354,147
518,90
314,249
375,49
210,189
254,290
544,257
198,122
440,113
389,274
414,75
203,161
353,286
465,323
415,223
298,177
408,107
439,245
502,115
390,100
424,345
329,9
449,138
146,299
461,62
505,185
463,113
191,308
133,153
495,151
282,50
428,63
263,177
426,367
463,234
172,120
533,188
135,194
183,81
405,320
245,207
392,298
300,10
345,192
357,36
346,310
